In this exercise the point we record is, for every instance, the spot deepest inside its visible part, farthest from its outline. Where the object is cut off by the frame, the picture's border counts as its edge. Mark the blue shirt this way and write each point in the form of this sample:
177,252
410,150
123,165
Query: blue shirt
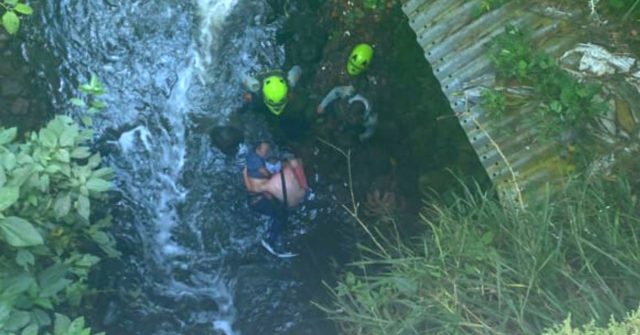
254,164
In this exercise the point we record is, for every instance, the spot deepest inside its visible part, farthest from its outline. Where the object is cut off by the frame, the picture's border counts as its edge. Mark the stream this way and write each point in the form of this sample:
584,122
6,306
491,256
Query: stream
191,259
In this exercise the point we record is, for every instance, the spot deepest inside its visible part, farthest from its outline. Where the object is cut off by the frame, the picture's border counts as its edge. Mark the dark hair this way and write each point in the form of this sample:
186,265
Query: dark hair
261,142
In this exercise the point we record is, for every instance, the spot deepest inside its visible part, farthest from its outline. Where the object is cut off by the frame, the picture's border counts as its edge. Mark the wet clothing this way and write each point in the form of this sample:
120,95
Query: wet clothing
276,212
254,164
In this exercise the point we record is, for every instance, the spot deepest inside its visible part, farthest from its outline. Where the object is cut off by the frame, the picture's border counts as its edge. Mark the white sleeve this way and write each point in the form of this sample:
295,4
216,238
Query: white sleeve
293,75
250,83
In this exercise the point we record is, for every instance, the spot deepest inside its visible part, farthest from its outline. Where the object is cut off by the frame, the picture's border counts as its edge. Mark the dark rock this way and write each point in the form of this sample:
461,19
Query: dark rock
20,106
226,139
10,87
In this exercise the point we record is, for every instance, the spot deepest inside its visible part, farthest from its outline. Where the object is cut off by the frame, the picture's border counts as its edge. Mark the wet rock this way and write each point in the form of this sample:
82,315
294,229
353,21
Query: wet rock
226,139
10,87
20,106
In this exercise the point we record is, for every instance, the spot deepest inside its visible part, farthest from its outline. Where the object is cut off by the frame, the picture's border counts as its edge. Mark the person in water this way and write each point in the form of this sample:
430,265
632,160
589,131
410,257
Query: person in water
272,193
256,161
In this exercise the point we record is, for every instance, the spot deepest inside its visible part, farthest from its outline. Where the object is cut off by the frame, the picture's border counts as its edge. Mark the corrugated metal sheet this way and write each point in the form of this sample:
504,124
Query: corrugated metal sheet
456,44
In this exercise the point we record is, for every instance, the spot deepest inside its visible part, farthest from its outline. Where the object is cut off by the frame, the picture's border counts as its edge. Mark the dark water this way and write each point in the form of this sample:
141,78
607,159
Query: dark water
191,262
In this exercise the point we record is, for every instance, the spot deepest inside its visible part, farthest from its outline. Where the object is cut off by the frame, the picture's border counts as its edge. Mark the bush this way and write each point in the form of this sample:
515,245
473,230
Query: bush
481,268
631,325
564,103
48,240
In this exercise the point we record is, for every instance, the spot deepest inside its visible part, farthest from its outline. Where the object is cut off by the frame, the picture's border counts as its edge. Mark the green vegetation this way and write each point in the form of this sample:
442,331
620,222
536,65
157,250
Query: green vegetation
563,103
631,325
13,10
629,9
486,6
481,268
50,238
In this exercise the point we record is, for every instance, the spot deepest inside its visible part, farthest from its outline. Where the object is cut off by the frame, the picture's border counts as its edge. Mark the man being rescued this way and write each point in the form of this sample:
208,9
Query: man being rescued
273,192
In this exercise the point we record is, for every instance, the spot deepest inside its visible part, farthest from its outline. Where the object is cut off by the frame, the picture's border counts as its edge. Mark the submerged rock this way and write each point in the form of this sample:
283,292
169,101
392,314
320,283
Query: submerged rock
226,139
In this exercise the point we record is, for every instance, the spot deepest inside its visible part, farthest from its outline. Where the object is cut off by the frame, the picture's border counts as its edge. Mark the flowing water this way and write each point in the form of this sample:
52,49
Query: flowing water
190,264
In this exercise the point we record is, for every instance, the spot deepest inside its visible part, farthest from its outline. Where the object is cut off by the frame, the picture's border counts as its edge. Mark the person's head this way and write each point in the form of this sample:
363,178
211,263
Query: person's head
263,148
274,92
359,59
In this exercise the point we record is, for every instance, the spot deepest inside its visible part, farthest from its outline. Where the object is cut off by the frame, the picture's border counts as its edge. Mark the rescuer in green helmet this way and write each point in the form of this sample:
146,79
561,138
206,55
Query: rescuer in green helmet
274,93
359,59
274,86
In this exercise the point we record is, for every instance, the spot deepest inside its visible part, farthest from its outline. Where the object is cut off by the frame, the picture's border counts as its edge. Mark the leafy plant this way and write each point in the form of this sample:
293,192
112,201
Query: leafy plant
494,101
48,233
373,4
93,90
482,268
631,325
564,102
64,326
486,6
13,10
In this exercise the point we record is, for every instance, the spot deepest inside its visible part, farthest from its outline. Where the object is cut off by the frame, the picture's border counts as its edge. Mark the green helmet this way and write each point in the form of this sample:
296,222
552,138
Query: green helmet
359,59
274,92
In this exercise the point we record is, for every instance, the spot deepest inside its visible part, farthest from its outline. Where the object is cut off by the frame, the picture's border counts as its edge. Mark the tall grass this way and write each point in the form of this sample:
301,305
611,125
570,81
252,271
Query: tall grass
480,268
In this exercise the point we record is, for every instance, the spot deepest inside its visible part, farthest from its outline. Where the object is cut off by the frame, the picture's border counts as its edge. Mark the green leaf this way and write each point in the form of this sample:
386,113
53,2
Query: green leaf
63,155
94,161
19,232
101,173
85,88
58,125
52,274
8,196
23,9
487,238
97,104
83,206
87,121
3,177
17,320
61,325
94,82
62,205
20,175
48,137
98,185
11,2
76,326
41,317
11,22
69,136
9,161
30,330
24,258
87,261
18,285
8,135
80,153
53,168
50,289
77,102
100,237
44,303
5,310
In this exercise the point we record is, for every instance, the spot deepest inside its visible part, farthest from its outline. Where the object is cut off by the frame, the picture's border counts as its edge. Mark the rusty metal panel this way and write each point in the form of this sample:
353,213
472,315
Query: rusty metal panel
456,42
